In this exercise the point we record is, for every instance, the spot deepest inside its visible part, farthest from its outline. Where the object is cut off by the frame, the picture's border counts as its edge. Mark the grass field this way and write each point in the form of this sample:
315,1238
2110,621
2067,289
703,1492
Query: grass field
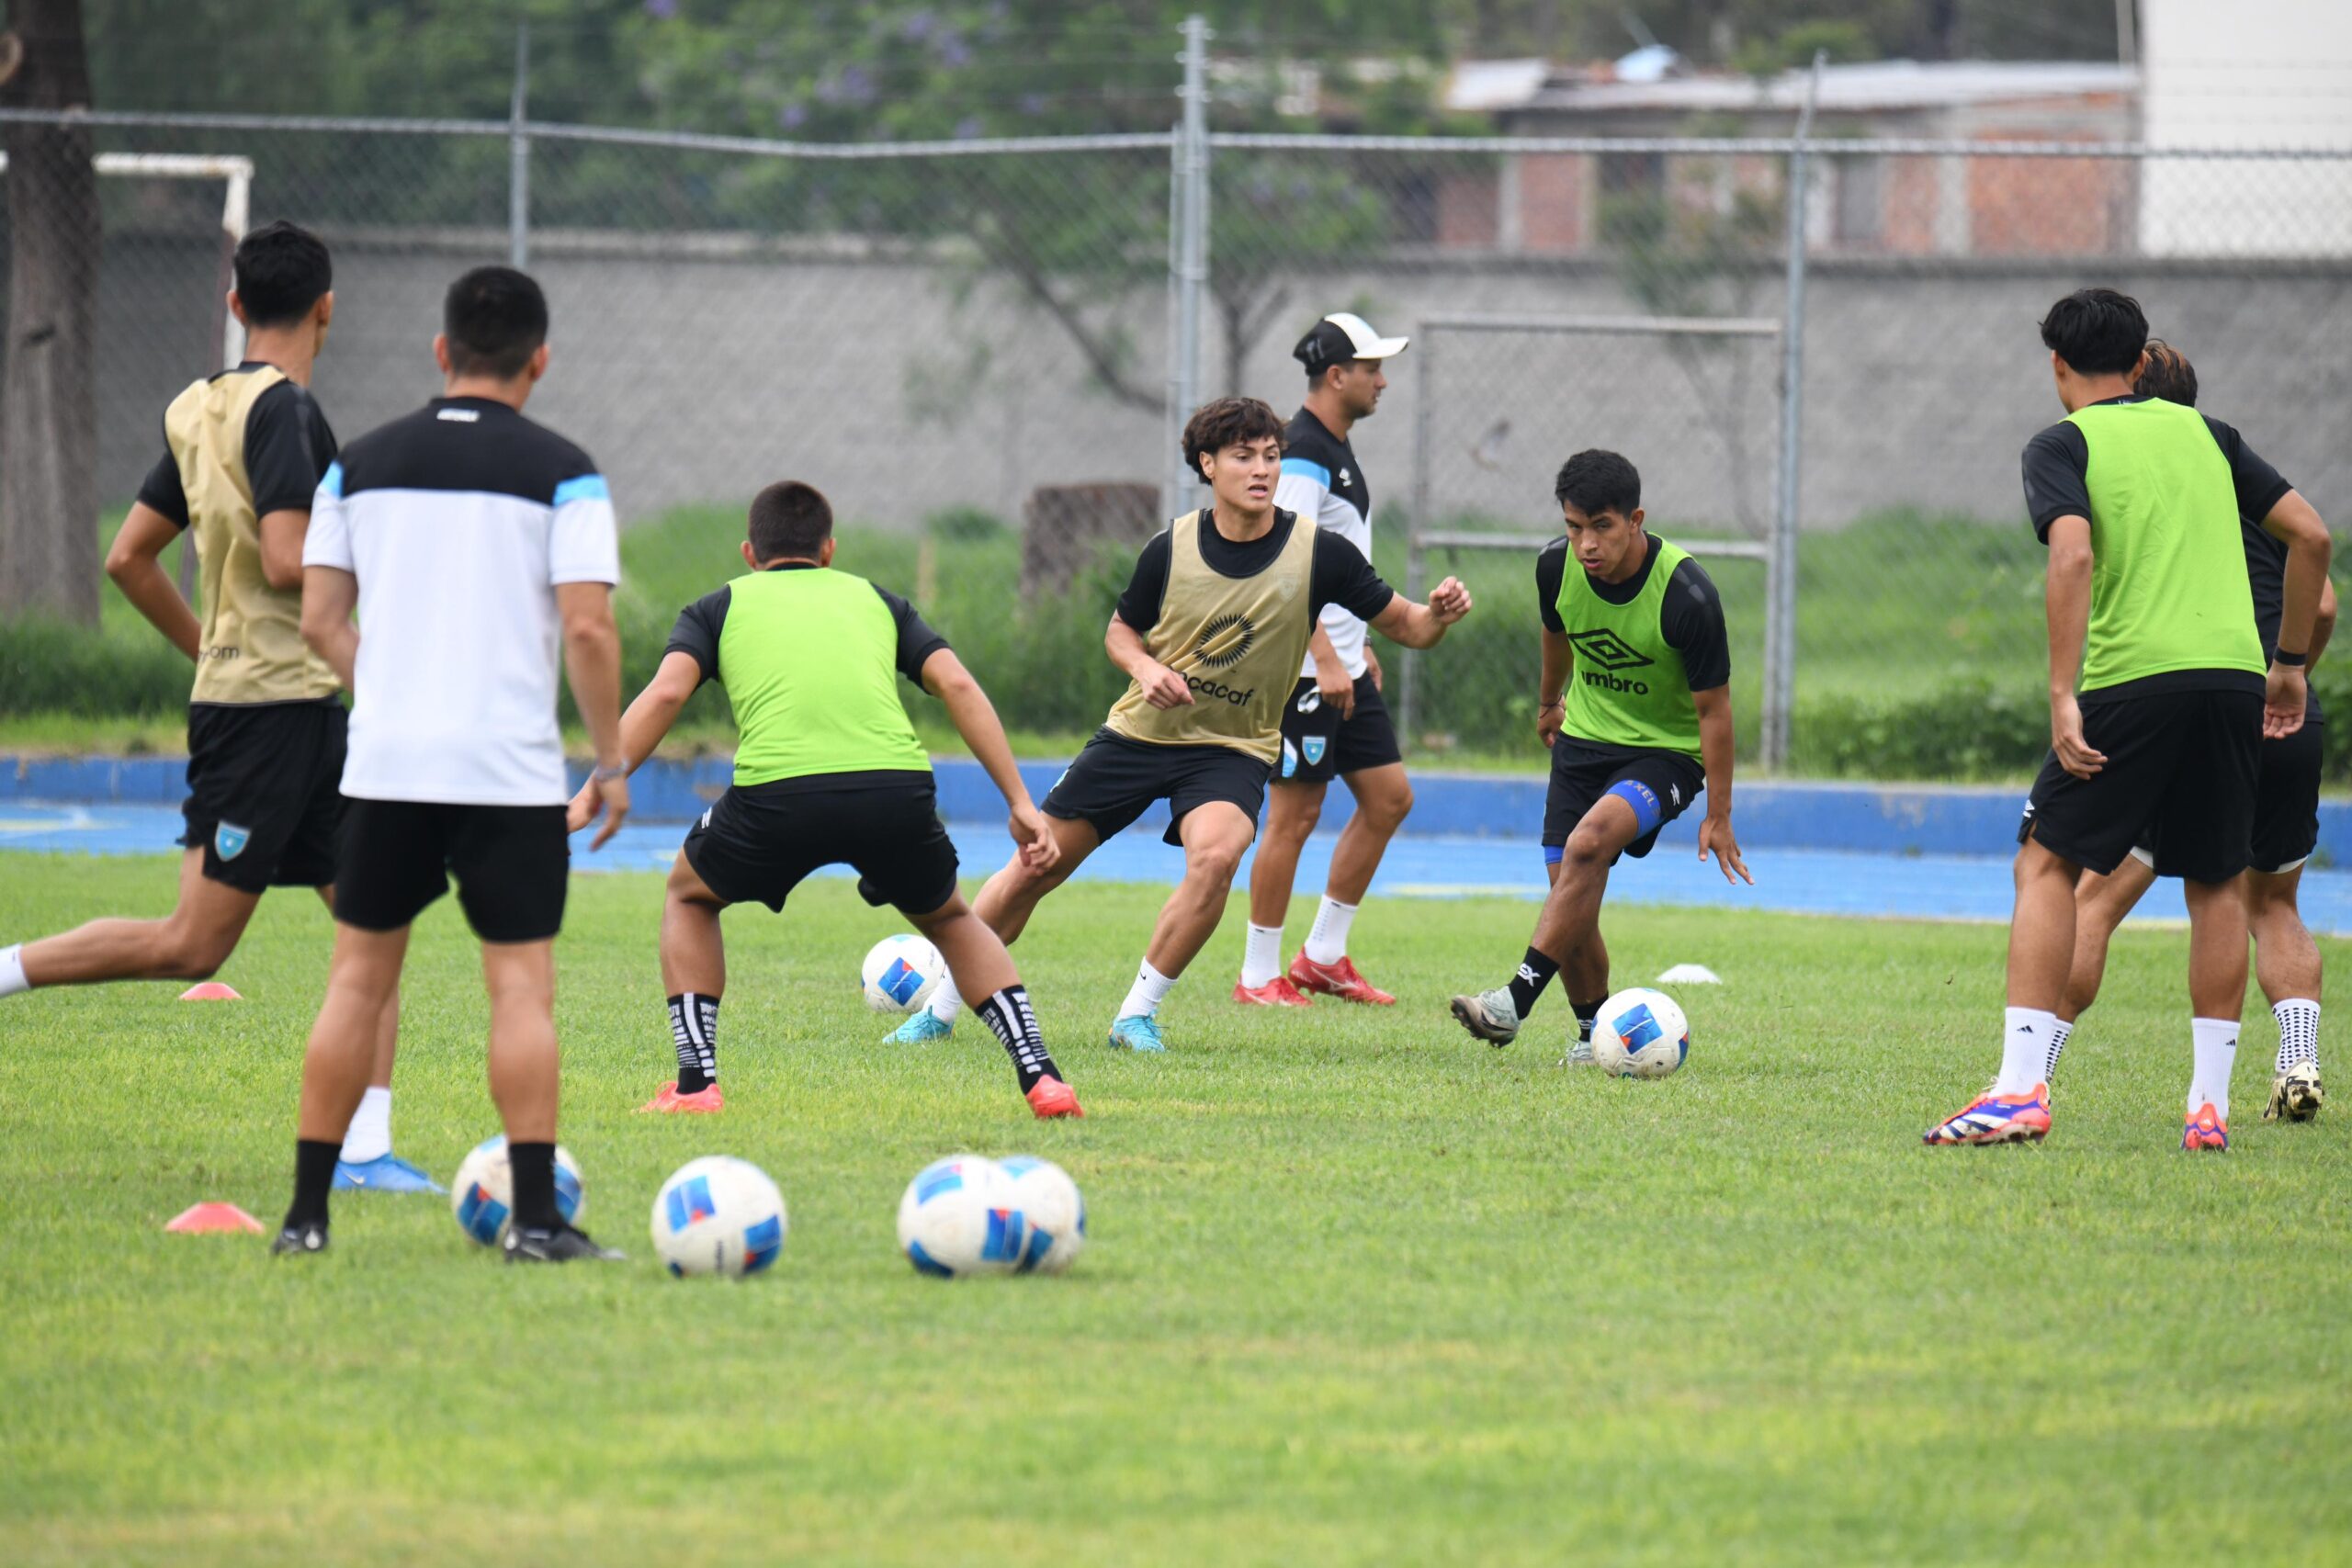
1359,1290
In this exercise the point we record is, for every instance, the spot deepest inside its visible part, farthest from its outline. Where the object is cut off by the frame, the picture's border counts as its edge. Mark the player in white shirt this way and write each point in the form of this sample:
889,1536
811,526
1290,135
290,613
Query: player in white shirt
1336,724
479,551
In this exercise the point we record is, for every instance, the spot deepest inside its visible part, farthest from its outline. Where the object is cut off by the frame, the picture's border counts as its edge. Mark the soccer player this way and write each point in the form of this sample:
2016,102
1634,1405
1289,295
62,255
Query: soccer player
2285,805
473,543
2151,606
1335,723
265,721
828,772
1210,632
1636,707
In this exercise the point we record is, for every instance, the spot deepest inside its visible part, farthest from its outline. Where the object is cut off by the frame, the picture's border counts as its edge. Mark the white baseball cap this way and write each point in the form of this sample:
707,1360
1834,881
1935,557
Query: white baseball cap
1340,337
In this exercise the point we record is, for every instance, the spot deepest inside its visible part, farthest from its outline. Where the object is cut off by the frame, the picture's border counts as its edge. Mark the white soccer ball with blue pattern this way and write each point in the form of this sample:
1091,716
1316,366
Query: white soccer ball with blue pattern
1052,1209
483,1193
719,1215
960,1217
1640,1034
901,972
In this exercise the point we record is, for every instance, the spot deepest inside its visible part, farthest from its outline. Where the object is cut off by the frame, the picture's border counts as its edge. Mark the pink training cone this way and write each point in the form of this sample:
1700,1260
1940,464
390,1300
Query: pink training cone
211,1219
210,991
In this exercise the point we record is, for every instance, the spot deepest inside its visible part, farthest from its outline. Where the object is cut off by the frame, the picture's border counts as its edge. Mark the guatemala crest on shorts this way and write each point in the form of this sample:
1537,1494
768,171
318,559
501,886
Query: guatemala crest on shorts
1313,745
229,841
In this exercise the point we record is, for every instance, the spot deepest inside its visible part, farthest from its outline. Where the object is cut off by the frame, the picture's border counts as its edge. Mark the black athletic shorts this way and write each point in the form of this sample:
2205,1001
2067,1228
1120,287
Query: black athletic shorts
755,845
1115,780
1659,785
263,801
2285,803
2182,768
1320,746
513,865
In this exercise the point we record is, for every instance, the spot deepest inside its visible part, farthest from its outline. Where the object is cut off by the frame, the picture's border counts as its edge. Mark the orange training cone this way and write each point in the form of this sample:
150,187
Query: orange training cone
207,1219
210,991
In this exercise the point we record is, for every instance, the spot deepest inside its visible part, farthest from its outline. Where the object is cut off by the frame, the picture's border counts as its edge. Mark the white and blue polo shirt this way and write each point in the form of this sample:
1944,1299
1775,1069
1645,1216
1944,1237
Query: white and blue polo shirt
1323,484
459,521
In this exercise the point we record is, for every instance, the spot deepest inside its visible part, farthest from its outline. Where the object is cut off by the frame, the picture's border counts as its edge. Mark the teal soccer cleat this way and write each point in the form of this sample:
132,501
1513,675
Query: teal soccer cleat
920,1029
1139,1032
386,1173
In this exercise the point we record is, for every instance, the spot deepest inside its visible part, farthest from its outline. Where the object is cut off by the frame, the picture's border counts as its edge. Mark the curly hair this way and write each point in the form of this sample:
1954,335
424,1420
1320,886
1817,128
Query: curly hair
1226,422
2167,373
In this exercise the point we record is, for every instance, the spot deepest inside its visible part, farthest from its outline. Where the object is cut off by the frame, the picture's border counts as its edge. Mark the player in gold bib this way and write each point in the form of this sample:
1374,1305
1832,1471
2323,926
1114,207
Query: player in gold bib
1211,632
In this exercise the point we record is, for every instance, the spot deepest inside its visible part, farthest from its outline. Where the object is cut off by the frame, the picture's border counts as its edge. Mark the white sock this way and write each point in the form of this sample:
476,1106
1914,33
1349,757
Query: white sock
12,971
2060,1031
946,1001
2298,1027
1144,996
2216,1044
1328,942
1261,956
2025,1048
370,1137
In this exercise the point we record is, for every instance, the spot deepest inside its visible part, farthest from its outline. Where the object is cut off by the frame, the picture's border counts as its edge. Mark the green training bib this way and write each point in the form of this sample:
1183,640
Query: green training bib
1627,686
809,660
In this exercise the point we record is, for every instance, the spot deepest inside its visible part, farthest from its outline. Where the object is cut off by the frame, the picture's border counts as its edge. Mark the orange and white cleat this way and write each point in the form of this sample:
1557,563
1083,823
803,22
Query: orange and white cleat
1050,1097
1997,1119
1277,992
669,1100
2205,1131
1339,980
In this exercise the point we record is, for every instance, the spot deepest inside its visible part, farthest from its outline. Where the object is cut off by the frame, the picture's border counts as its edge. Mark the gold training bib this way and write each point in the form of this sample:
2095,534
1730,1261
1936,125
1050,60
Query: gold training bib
1237,641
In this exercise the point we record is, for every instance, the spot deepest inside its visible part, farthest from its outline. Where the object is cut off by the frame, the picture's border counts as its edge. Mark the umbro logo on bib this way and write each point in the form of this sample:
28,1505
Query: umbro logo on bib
1605,649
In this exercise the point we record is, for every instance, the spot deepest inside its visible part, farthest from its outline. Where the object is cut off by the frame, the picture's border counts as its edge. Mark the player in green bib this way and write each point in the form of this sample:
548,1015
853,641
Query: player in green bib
1636,707
828,772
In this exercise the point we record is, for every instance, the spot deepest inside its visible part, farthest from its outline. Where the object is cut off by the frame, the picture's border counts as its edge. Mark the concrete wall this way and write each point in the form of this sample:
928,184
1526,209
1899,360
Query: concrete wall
904,387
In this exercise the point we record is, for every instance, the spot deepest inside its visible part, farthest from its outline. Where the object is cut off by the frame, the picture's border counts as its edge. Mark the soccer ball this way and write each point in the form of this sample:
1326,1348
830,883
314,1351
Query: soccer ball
959,1217
1051,1208
1640,1034
719,1215
901,972
482,1193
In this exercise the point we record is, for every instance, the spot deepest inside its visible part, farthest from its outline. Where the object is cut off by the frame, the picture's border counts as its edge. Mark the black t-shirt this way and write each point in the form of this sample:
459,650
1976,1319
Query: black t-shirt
287,447
1691,618
700,622
2058,460
1339,575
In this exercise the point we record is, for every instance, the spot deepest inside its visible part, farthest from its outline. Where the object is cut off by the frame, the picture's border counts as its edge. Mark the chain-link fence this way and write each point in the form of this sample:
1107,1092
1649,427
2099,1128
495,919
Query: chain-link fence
960,340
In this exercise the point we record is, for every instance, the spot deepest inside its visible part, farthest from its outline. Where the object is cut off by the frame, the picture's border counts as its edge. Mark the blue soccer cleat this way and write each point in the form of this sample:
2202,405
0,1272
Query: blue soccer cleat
1139,1032
1993,1118
922,1028
386,1173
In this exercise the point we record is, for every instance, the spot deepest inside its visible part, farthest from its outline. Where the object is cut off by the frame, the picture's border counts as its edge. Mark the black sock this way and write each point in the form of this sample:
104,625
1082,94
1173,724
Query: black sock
314,1165
694,1030
532,1166
1536,972
1587,1014
1008,1012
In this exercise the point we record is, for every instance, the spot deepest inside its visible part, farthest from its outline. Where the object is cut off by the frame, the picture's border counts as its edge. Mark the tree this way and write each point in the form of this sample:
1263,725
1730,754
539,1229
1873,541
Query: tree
49,419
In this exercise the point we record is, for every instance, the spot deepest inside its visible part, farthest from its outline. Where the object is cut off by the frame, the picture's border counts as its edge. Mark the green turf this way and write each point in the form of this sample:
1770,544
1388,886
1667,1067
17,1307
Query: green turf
1359,1290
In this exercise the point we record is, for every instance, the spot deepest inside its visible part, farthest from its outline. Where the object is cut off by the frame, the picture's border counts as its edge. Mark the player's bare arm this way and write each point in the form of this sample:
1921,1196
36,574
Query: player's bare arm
643,726
2068,604
1421,625
329,596
975,718
592,662
1162,687
2324,626
2293,523
281,547
1560,659
1331,682
1715,749
132,563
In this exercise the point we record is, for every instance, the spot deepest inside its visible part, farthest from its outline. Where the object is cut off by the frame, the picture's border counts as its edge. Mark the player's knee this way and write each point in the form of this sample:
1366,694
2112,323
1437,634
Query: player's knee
1216,860
1388,811
1297,818
191,955
1587,849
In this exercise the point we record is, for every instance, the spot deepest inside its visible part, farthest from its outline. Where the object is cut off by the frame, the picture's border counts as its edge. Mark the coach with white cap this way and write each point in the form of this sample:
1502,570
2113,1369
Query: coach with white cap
1336,724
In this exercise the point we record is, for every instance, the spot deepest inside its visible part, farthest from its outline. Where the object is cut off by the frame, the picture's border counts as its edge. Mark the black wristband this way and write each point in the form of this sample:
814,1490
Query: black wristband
2291,660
